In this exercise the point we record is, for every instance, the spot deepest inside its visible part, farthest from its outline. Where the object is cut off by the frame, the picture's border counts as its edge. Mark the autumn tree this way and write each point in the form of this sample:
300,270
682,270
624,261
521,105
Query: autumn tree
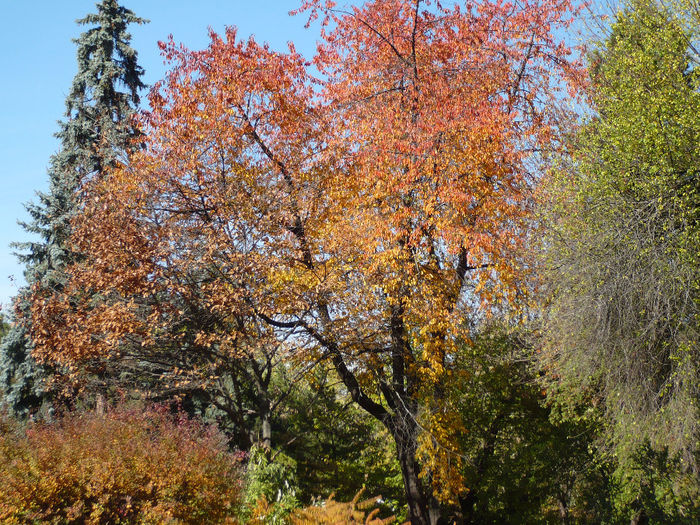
361,220
97,130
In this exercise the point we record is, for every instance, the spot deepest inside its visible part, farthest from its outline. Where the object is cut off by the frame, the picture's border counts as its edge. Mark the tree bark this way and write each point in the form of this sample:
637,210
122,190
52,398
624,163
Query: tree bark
639,518
418,507
266,430
563,510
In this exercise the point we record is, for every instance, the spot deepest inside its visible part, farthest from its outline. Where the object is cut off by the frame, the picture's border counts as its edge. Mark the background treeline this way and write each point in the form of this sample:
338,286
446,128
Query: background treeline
458,268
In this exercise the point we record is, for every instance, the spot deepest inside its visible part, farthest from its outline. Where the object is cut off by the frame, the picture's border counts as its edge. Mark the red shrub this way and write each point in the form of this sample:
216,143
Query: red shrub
126,466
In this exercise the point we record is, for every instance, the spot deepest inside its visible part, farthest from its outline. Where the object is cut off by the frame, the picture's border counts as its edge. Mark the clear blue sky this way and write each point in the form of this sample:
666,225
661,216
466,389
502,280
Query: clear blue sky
38,64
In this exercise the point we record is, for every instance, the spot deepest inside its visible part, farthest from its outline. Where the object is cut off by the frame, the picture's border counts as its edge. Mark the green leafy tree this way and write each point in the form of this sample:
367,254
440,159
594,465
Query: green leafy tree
96,132
270,487
523,462
321,429
622,261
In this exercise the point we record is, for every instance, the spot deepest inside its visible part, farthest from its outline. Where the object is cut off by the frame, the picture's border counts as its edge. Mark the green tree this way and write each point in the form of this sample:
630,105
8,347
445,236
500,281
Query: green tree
622,267
523,462
96,132
320,429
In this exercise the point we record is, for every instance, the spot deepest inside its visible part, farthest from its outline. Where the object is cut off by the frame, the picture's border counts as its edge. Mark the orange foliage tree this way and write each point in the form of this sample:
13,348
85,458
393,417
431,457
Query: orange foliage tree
365,218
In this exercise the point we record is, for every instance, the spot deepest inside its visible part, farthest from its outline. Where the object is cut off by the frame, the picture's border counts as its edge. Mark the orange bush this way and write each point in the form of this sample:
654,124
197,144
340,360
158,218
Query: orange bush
127,466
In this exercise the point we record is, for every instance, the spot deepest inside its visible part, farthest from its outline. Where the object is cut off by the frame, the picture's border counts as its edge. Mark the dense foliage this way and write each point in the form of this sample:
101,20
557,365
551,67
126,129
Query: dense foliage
624,318
265,217
126,466
332,512
404,266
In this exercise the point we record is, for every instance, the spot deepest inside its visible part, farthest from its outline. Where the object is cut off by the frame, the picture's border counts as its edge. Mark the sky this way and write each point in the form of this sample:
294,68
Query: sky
37,59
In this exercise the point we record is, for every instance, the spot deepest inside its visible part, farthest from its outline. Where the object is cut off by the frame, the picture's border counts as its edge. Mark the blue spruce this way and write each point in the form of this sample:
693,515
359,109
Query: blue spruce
96,132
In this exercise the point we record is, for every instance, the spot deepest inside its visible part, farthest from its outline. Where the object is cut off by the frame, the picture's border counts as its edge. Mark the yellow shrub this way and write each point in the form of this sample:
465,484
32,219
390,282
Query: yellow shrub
333,512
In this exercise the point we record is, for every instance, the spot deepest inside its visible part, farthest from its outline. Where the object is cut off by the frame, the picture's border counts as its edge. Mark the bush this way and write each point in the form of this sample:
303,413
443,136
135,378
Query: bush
332,512
126,466
270,487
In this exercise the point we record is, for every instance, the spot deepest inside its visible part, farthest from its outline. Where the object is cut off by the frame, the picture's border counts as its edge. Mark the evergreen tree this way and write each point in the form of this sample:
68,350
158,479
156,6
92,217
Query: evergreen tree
96,131
4,325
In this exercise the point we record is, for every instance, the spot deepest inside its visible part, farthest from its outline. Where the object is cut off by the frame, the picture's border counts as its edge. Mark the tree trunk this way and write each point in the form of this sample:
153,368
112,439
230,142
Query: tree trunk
563,510
265,420
421,510
266,430
639,518
100,404
417,506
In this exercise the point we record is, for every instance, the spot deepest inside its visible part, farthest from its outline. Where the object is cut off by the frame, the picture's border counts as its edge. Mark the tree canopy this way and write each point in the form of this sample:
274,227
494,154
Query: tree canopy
443,259
623,322
362,219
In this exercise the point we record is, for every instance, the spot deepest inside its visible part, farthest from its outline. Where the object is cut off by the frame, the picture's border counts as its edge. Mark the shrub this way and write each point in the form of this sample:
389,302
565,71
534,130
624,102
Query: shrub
270,487
126,466
333,512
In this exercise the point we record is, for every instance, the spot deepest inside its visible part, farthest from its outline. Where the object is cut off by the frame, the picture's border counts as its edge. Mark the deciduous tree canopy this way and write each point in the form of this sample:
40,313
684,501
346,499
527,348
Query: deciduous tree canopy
356,218
623,324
